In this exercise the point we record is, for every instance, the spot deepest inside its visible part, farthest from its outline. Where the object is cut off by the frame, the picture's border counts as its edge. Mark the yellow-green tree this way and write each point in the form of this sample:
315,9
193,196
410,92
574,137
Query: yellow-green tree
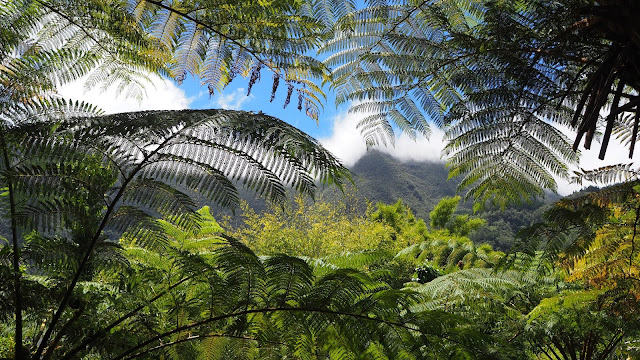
314,229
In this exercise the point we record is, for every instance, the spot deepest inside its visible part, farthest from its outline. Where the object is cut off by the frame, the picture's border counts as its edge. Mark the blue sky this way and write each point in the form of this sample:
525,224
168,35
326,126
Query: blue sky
336,128
235,97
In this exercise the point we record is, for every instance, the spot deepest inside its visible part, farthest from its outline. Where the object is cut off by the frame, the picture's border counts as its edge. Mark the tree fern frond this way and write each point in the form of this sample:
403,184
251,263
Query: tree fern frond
264,153
47,250
610,174
215,46
173,205
289,279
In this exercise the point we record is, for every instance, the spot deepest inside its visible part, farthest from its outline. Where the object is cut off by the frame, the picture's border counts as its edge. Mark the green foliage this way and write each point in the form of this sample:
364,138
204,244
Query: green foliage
441,214
442,218
46,44
407,230
206,294
591,238
450,253
87,271
315,230
574,324
463,226
126,169
76,183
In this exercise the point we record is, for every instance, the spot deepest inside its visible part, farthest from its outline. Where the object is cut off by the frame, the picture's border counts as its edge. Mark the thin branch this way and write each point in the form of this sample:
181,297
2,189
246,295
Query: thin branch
626,107
61,333
611,346
610,120
634,134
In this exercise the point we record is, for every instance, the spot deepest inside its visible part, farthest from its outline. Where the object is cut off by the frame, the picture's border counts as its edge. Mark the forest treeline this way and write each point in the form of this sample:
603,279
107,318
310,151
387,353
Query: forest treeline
378,177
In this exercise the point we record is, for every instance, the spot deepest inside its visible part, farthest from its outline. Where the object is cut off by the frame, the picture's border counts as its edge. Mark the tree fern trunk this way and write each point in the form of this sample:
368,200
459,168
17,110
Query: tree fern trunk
20,352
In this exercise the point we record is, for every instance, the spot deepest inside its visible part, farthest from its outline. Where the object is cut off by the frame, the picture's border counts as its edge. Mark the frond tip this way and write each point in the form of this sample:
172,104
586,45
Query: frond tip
607,174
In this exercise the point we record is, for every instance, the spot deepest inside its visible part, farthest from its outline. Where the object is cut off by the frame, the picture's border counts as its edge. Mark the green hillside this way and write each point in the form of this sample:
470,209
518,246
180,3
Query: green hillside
379,177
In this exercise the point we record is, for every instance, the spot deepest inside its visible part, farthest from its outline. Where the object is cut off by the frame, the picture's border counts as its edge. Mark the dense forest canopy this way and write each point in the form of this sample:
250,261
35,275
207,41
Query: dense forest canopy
106,254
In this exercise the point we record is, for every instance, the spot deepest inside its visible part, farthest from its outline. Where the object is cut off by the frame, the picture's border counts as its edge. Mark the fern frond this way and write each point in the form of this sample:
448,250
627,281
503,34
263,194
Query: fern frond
216,45
500,77
610,174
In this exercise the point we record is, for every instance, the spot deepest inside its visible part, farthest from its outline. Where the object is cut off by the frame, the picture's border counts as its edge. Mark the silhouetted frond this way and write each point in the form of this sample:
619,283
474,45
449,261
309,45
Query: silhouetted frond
606,175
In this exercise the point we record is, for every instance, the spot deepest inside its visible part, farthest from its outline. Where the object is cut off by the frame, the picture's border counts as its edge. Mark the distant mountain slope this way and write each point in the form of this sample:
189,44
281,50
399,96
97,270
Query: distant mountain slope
420,185
379,177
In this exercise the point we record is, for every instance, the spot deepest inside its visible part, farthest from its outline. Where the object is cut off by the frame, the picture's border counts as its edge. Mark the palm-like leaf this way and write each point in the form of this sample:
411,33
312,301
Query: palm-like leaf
498,75
610,174
91,179
216,41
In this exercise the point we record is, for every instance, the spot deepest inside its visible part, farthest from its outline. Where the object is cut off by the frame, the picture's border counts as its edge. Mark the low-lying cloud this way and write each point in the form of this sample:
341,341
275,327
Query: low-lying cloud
161,94
347,144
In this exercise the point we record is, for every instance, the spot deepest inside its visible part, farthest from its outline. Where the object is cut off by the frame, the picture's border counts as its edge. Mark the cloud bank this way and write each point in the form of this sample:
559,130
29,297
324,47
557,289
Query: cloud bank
161,94
347,143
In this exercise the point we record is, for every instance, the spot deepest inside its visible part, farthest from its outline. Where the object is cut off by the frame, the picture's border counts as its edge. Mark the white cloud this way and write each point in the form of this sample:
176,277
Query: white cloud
420,149
233,100
347,143
161,94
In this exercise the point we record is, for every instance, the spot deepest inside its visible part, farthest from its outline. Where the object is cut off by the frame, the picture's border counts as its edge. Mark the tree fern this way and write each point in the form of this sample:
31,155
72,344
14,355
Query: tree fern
499,75
341,313
217,41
